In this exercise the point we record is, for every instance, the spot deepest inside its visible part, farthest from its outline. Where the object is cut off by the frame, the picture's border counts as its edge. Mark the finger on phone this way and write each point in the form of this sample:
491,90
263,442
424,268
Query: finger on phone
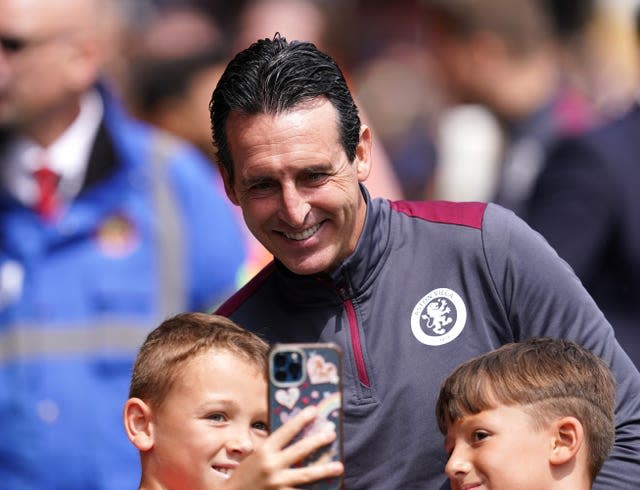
306,446
313,473
284,434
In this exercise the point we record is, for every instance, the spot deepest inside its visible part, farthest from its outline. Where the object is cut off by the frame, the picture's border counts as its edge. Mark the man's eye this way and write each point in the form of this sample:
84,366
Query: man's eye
261,186
316,176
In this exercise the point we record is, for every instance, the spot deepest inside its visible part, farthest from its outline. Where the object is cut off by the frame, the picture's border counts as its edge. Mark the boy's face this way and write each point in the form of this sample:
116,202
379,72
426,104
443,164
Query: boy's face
498,448
214,416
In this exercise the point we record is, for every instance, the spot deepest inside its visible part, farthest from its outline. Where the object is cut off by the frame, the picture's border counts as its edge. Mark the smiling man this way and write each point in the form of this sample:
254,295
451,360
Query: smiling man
408,290
297,187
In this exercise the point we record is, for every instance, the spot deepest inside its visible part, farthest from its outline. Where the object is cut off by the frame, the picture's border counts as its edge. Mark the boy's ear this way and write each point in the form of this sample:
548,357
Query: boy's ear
567,439
138,423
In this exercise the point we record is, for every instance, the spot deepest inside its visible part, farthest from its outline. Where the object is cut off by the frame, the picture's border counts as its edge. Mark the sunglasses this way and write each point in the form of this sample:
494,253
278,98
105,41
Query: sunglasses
12,45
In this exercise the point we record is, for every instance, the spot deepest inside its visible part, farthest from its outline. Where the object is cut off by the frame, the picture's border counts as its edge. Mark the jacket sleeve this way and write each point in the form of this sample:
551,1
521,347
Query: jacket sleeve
543,297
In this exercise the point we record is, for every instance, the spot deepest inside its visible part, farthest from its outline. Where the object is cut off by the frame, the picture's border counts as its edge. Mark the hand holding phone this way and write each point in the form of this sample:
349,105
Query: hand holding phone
270,466
302,375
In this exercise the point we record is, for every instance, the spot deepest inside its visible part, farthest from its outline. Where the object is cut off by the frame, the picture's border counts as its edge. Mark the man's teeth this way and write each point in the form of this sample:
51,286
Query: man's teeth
303,234
226,471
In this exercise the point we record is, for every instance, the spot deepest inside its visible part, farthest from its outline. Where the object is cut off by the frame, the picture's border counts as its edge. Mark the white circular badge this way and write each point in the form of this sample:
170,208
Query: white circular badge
439,317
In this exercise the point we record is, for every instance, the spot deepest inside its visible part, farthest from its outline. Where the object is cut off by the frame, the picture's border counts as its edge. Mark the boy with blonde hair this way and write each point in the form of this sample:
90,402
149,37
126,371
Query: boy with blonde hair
197,412
532,415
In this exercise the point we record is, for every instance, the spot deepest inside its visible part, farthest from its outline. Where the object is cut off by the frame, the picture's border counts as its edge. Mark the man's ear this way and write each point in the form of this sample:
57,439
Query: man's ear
138,423
228,185
567,439
84,58
363,154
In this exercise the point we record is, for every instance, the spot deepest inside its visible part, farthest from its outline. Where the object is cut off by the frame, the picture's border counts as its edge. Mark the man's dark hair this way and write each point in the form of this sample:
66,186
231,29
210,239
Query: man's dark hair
273,76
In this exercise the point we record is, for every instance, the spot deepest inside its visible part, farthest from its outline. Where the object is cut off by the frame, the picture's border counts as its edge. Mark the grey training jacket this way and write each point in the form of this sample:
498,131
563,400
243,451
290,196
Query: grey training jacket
430,285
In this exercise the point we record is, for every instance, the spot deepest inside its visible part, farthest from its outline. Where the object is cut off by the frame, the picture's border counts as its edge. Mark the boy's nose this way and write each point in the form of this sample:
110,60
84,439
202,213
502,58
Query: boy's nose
240,444
457,465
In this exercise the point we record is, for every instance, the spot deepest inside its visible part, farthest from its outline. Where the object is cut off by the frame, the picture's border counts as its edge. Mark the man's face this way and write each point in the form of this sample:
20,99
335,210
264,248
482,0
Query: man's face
213,417
298,191
37,65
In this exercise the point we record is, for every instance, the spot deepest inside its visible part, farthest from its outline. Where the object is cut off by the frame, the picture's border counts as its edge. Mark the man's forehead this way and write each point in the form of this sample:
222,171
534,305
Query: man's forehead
305,105
303,117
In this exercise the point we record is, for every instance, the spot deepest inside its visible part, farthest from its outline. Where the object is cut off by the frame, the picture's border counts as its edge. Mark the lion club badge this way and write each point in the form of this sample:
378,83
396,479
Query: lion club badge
439,317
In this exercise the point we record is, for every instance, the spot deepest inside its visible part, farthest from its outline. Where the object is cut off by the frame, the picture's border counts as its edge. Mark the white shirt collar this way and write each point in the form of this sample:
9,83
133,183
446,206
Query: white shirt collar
68,156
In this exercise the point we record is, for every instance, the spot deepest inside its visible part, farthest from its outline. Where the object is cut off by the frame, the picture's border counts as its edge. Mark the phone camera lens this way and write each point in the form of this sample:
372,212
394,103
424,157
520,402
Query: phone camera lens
287,366
295,370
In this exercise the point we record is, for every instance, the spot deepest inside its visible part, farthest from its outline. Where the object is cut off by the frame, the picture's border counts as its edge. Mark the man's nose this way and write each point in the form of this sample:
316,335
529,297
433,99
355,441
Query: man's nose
294,207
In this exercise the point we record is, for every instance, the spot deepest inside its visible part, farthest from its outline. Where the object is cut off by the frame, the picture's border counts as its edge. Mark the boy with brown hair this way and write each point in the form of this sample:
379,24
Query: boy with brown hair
197,412
532,415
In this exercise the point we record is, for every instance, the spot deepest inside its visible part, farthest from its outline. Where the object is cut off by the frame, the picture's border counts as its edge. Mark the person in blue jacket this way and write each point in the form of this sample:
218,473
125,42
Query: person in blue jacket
407,290
131,227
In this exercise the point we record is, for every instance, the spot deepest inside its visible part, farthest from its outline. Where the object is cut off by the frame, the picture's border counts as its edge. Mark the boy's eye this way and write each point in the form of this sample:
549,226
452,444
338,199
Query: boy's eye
262,426
480,435
217,417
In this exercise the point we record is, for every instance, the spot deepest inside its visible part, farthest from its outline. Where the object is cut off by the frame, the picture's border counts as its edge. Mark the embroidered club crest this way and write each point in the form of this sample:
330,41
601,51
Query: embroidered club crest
439,317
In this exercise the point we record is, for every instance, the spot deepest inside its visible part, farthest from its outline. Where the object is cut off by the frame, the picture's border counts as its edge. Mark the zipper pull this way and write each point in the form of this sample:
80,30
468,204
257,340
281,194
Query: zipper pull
343,290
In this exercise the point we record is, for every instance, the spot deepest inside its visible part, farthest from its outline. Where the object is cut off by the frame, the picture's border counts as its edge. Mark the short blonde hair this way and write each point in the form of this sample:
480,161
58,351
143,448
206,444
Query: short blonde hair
181,338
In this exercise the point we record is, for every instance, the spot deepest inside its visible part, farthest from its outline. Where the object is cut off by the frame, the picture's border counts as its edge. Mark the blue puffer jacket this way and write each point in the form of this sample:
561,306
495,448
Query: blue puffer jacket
78,296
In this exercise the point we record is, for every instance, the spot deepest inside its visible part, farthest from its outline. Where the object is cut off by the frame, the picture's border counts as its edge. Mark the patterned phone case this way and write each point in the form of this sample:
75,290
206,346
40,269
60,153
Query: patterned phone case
319,383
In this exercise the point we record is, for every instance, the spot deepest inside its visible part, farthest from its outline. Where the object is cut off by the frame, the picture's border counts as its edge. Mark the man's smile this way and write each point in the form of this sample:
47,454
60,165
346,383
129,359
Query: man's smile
304,234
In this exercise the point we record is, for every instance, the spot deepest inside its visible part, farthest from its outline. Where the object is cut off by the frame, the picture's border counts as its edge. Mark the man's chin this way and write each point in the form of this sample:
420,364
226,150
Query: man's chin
307,267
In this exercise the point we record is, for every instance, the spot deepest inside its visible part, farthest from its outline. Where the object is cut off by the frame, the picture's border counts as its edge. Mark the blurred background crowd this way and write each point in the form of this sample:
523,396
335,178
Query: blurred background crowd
168,54
528,103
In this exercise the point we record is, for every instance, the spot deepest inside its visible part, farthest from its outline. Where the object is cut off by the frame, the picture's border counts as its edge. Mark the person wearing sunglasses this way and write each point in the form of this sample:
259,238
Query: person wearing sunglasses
105,230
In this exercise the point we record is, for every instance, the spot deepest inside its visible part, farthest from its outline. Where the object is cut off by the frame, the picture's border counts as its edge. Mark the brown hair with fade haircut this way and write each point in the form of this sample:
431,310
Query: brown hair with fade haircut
549,378
181,338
